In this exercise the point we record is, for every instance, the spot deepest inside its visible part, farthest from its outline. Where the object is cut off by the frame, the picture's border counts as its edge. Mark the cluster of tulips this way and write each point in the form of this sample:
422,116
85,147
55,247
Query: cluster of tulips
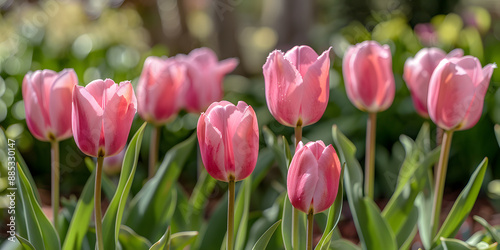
447,88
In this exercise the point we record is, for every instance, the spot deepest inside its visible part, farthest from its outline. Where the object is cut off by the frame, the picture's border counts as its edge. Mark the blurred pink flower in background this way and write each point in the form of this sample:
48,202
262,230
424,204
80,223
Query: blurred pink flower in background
456,92
368,77
204,78
313,177
426,34
297,85
229,140
47,99
159,89
102,115
113,165
418,72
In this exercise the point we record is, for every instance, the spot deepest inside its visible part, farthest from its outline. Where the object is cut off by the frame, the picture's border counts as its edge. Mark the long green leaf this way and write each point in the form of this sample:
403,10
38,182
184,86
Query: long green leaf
181,240
261,244
463,205
81,217
149,205
494,234
113,217
286,226
25,243
343,244
130,240
242,207
108,187
41,233
333,215
372,228
497,133
163,243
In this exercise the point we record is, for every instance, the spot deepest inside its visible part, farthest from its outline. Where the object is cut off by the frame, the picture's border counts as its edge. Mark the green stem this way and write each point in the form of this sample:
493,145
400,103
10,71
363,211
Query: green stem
310,221
370,155
153,150
295,212
97,204
55,180
230,215
440,179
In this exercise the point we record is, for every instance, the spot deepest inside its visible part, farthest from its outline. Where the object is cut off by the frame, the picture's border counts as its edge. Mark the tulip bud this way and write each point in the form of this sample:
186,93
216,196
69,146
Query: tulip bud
102,115
418,72
297,85
368,77
159,89
456,92
204,78
313,177
229,140
47,96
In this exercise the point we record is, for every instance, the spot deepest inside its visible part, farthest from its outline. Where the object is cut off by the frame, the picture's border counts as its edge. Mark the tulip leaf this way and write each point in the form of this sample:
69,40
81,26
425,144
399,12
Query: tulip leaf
149,205
455,244
343,244
25,243
373,230
334,213
463,205
130,240
181,240
242,207
163,243
81,217
423,202
203,189
40,231
266,219
494,234
212,235
497,133
286,226
113,217
262,242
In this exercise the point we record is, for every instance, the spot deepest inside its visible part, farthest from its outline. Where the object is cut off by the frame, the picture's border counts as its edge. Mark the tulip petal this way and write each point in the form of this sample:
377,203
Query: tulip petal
283,86
61,95
316,88
302,179
243,130
471,66
87,121
211,148
102,90
302,57
328,179
118,116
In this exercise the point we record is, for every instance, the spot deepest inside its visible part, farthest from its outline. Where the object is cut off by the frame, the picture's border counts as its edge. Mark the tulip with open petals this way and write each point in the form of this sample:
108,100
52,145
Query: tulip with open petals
368,77
102,115
229,140
456,92
159,89
313,177
297,85
418,72
47,97
204,78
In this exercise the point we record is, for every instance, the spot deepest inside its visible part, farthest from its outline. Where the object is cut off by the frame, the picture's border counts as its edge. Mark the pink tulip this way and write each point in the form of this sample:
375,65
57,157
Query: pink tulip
456,92
368,77
313,177
159,88
102,115
297,85
204,78
418,72
47,96
229,140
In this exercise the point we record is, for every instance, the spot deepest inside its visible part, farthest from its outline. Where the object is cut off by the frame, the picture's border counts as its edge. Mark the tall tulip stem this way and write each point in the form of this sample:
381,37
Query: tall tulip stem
97,204
310,221
440,179
153,150
55,180
370,154
230,215
295,212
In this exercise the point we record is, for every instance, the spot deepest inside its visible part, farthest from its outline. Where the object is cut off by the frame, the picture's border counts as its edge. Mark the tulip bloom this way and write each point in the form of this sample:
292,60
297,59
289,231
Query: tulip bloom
368,77
456,92
204,78
47,96
313,177
159,88
297,85
102,115
229,140
418,72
